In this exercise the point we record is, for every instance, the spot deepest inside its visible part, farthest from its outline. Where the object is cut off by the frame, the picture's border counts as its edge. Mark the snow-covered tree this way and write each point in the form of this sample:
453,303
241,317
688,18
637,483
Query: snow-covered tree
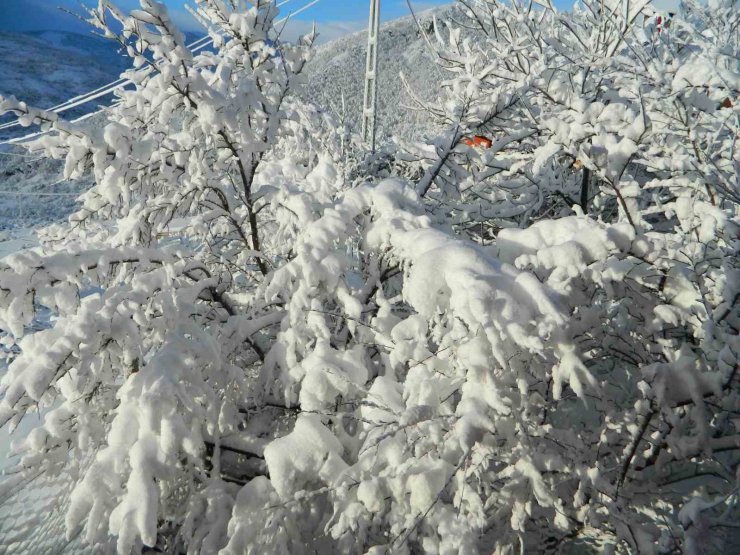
627,137
521,348
204,172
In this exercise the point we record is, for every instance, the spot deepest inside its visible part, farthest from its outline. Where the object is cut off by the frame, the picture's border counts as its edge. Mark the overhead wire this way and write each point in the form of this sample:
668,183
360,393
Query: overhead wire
42,194
19,140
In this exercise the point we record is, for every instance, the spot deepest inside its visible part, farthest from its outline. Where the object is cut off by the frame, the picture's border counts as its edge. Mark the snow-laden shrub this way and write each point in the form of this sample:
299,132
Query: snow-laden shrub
596,113
244,354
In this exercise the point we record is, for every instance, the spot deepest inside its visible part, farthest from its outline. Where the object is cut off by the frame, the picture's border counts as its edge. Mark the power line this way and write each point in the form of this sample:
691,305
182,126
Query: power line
20,140
103,90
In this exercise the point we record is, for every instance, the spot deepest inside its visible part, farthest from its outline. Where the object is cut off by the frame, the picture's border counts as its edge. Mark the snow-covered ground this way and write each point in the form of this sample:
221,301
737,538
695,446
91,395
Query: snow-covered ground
15,240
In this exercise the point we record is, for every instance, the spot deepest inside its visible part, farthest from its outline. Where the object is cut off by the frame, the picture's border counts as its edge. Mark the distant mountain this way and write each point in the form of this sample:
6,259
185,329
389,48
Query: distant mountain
48,67
20,16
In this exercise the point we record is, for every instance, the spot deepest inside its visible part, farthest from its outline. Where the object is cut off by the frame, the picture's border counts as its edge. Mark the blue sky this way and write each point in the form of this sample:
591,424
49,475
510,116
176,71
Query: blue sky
333,17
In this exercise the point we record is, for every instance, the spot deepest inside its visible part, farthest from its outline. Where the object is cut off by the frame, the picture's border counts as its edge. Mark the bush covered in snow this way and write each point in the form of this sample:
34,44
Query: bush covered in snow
527,347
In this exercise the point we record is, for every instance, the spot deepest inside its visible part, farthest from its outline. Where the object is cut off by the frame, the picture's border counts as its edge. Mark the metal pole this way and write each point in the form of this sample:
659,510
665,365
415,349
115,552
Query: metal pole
371,73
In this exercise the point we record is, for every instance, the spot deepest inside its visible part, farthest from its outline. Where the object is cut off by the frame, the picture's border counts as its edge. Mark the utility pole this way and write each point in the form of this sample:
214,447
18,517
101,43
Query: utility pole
371,77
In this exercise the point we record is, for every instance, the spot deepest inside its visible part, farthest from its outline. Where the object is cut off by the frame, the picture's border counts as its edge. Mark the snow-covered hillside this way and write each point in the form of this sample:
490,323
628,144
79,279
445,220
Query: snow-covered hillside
46,68
338,69
32,191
